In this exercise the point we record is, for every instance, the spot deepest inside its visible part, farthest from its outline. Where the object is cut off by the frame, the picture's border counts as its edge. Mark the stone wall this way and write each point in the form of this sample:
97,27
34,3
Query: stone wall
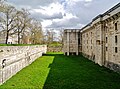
15,58
54,48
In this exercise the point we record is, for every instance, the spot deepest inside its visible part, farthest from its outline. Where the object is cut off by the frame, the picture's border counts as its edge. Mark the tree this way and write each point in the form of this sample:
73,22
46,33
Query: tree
8,20
22,23
61,36
50,36
18,23
36,32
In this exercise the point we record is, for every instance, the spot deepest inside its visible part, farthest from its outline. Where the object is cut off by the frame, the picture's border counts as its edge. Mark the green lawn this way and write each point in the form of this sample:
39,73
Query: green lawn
56,71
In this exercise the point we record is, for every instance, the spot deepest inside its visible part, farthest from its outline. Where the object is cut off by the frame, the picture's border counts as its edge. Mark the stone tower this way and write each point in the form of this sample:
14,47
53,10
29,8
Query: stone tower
71,41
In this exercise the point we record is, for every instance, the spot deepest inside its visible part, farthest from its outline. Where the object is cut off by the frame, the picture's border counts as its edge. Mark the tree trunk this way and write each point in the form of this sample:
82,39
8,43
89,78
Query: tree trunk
7,36
7,32
18,36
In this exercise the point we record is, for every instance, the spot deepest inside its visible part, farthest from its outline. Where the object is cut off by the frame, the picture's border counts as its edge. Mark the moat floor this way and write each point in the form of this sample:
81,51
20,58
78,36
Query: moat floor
56,71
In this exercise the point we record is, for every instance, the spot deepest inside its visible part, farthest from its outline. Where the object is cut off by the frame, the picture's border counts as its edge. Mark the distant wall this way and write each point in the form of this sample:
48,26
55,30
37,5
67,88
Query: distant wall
15,58
54,48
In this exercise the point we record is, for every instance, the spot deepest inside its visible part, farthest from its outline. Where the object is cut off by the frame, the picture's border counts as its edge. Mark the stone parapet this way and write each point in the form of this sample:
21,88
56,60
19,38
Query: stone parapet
54,49
15,58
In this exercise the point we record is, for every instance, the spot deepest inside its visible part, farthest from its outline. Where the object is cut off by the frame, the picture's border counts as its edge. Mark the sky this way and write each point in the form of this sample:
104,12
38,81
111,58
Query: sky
64,14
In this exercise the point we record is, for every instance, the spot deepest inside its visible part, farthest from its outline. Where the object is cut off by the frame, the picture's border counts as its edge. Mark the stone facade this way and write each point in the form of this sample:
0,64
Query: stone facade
54,49
71,41
100,39
15,58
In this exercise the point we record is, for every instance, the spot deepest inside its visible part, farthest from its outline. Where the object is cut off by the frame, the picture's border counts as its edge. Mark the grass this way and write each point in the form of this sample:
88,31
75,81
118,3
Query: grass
18,44
56,71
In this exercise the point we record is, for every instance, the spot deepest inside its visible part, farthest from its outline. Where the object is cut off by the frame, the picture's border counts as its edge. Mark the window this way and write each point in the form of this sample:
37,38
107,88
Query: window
91,47
91,33
98,42
116,50
115,26
116,39
78,38
87,35
106,48
83,36
106,30
106,39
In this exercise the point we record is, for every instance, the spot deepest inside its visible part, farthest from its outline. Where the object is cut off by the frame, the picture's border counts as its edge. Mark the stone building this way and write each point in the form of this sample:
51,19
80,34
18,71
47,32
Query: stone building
71,41
100,39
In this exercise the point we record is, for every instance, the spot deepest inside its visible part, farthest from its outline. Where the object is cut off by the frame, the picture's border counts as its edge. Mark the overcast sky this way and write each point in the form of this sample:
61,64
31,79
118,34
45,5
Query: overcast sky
64,13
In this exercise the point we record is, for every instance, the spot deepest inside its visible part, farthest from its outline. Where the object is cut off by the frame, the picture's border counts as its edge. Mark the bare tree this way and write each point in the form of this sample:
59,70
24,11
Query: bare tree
8,20
36,32
18,23
22,23
50,36
61,36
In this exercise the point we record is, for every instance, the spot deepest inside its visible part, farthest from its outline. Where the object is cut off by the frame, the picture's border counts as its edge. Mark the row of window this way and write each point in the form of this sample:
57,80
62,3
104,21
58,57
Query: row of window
116,39
87,41
115,27
116,49
87,34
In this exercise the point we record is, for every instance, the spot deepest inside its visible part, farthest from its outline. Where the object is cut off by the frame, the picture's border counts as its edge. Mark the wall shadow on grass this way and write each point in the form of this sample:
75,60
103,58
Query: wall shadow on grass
76,72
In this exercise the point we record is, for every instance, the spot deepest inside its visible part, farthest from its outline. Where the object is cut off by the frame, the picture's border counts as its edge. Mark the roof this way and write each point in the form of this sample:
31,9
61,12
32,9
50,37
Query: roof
72,30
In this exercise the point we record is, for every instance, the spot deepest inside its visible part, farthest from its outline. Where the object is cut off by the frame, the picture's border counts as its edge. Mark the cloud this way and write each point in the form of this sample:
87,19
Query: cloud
68,21
32,3
52,11
46,23
65,13
42,16
86,10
